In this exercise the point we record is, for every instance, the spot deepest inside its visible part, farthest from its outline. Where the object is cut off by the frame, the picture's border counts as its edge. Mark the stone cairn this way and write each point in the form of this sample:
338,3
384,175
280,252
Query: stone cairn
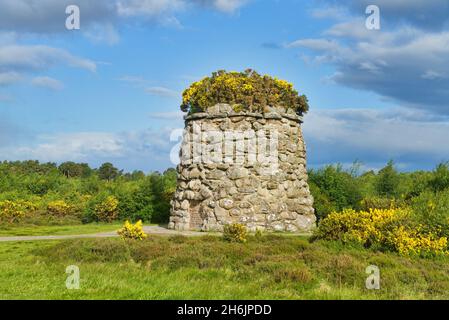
237,182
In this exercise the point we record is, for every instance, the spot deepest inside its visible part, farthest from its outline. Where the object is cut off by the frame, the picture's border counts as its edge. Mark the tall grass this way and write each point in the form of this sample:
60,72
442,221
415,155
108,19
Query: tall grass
266,267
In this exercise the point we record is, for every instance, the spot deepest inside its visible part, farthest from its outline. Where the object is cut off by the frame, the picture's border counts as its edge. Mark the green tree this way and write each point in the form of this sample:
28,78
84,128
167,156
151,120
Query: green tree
440,179
322,205
338,187
108,172
387,182
75,170
68,169
135,175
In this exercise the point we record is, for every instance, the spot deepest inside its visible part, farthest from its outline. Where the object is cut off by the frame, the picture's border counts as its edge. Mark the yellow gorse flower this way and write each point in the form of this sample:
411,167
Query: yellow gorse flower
383,227
13,211
132,231
59,208
248,89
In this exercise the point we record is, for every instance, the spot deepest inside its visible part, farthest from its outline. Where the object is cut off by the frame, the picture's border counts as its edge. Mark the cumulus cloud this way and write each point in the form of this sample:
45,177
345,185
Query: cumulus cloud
47,82
39,57
18,60
224,5
145,149
424,14
48,16
332,12
153,8
163,7
416,139
407,61
76,146
407,65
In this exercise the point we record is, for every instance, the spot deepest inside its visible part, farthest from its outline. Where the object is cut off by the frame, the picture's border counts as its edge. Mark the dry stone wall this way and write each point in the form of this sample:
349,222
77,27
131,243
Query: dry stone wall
242,167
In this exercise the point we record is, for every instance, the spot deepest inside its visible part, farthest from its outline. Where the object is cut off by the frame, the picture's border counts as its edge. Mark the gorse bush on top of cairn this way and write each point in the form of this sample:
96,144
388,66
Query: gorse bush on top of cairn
246,90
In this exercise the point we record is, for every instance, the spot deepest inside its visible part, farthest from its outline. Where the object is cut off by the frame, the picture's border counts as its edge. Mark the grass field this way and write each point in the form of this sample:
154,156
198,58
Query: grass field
32,230
270,267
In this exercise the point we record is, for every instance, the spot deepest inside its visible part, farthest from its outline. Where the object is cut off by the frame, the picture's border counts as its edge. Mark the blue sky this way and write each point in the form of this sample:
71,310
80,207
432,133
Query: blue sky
111,90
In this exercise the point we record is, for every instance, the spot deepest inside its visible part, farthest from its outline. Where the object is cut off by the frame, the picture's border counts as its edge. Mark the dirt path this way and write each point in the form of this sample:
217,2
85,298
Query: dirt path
151,230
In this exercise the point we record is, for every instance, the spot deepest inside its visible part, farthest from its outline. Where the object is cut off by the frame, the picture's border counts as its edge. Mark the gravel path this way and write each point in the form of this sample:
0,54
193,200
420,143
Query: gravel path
151,230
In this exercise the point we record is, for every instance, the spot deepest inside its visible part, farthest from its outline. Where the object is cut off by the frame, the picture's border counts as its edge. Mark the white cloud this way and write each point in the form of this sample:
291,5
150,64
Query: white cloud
71,146
425,14
7,78
48,16
401,64
18,60
316,44
433,75
144,149
39,57
415,138
153,8
331,12
228,5
47,82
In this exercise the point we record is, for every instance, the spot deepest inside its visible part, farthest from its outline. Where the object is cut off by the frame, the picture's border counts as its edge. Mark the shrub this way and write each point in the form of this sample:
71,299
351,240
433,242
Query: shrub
381,228
322,204
432,211
59,208
419,183
365,227
243,90
235,232
408,242
144,214
41,184
163,189
107,210
338,188
440,179
132,231
13,211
